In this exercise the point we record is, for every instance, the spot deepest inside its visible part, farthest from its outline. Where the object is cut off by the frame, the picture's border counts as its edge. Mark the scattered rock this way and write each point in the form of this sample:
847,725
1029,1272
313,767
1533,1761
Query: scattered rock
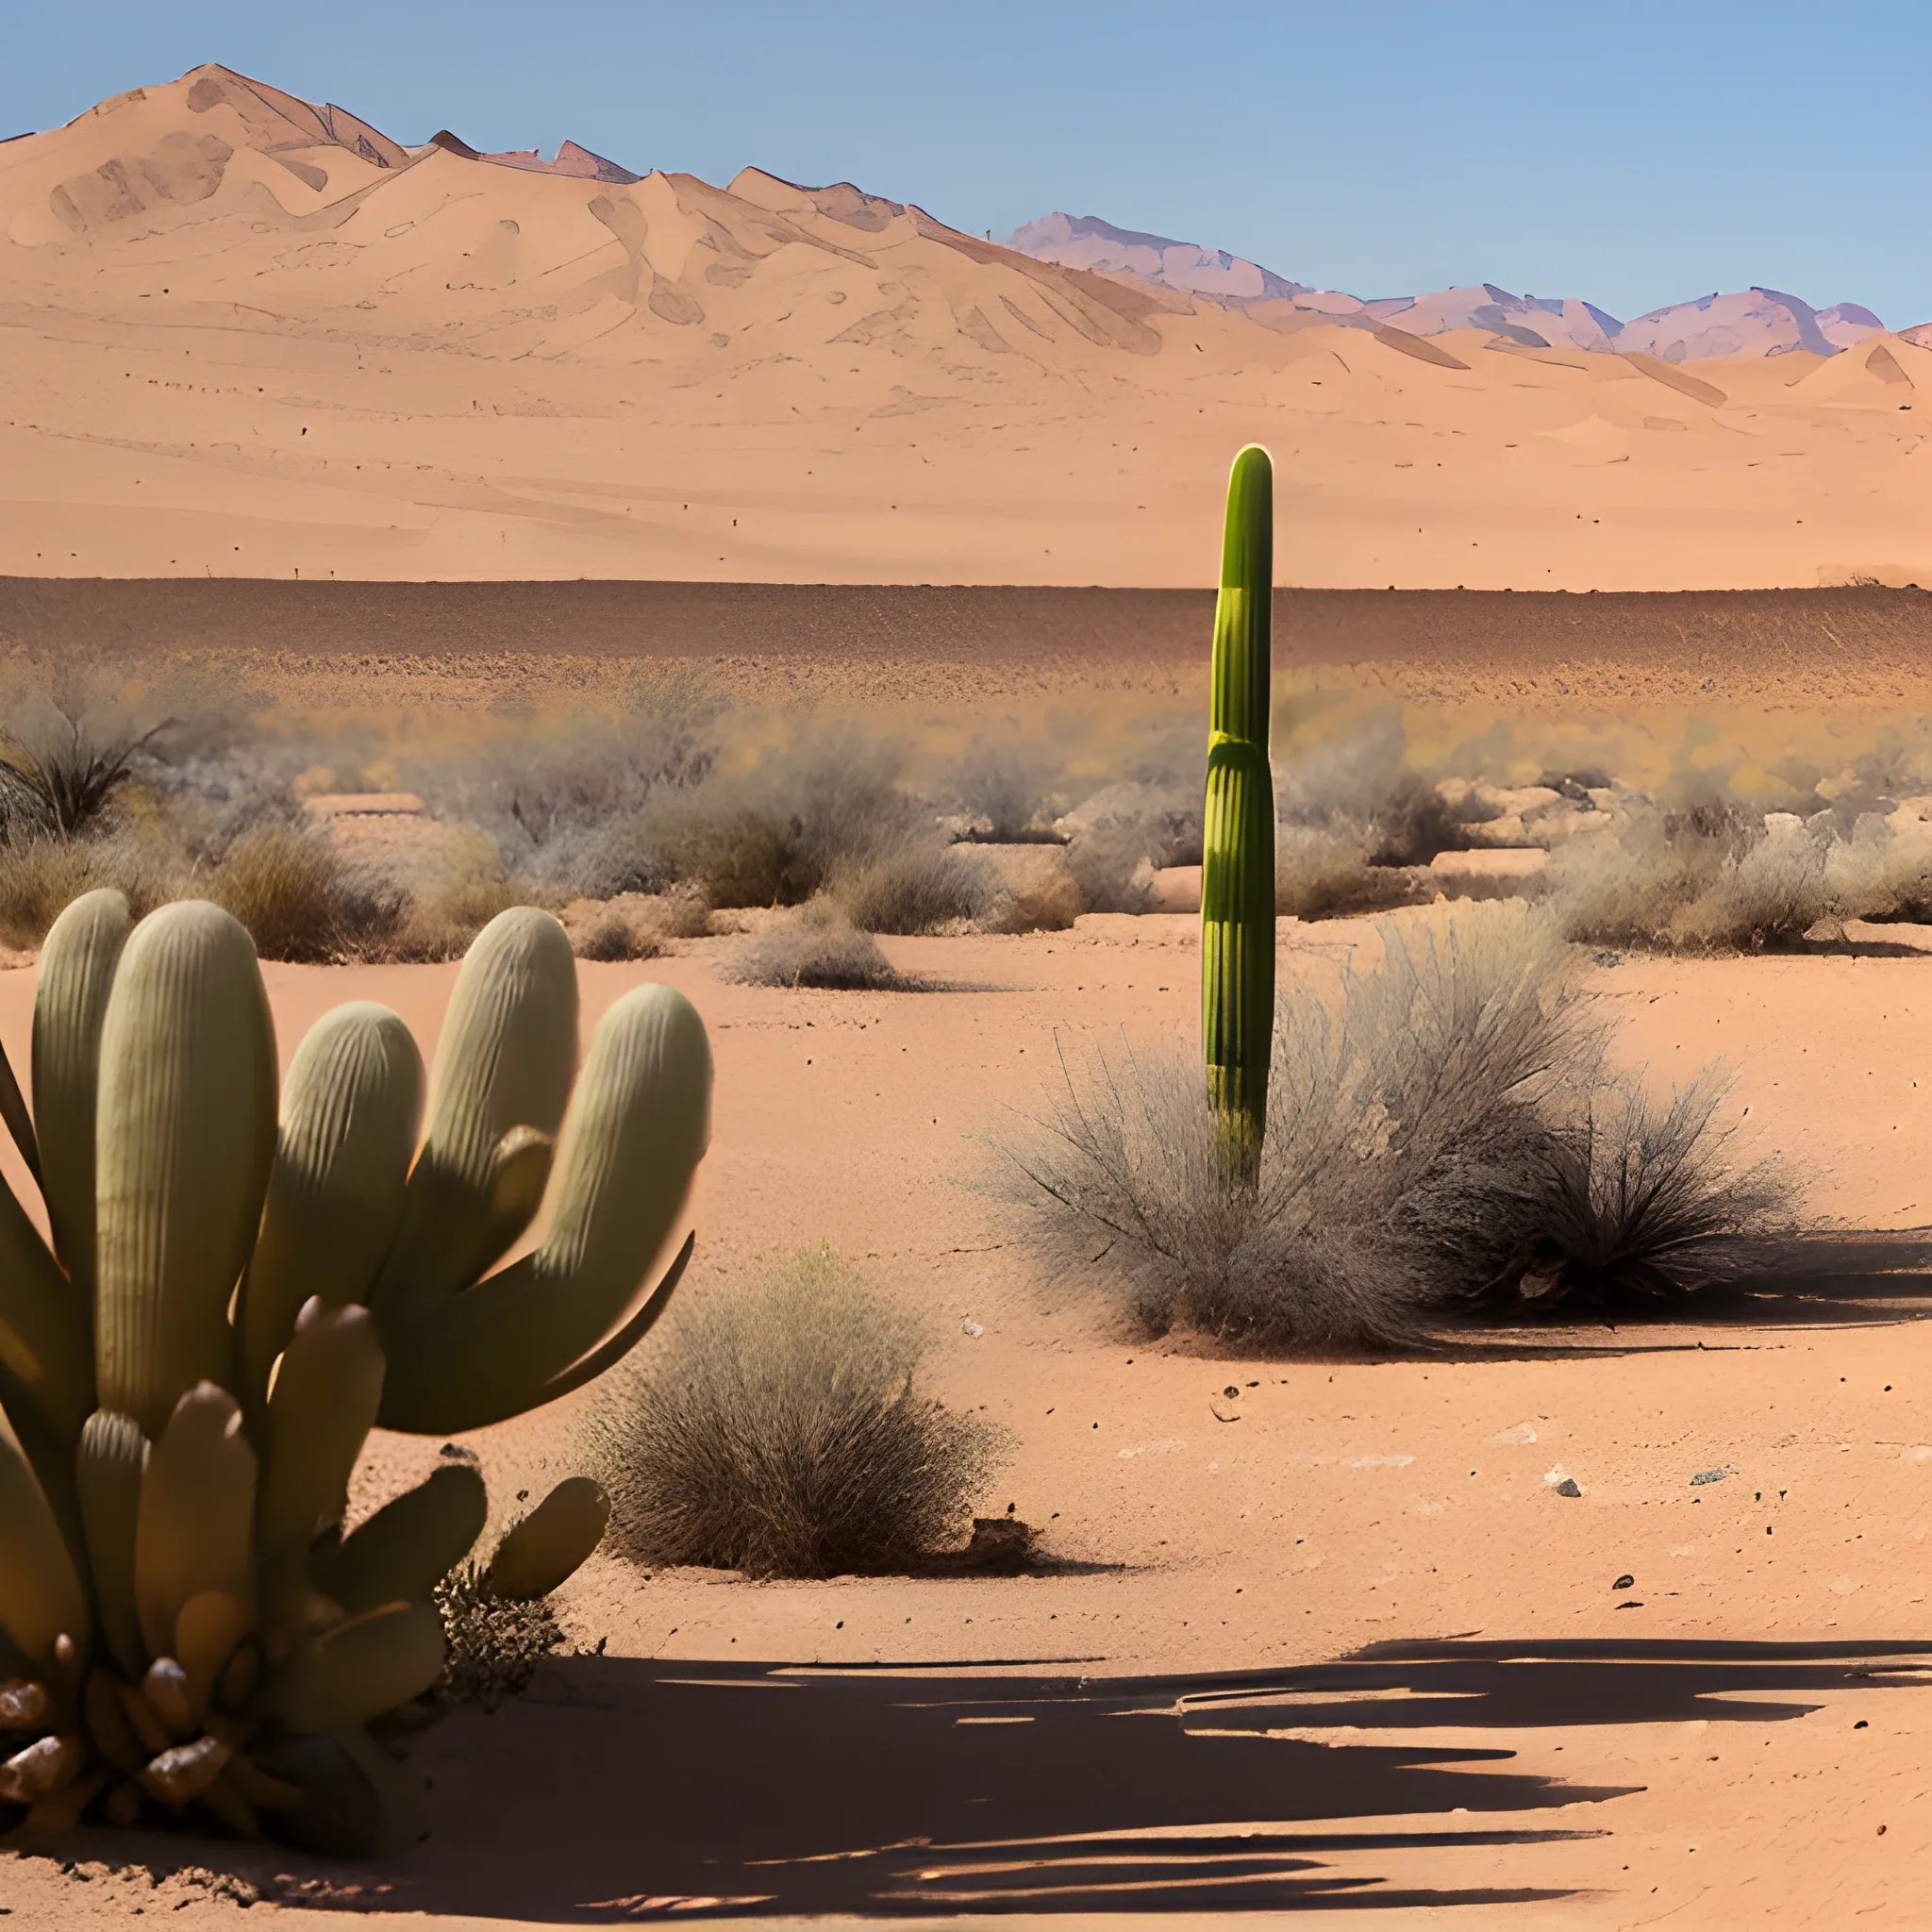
1001,1546
969,1326
1709,1476
1622,1582
1568,1487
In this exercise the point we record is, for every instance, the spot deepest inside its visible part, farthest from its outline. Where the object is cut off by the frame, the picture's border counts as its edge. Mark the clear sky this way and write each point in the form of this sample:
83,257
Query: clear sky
1631,153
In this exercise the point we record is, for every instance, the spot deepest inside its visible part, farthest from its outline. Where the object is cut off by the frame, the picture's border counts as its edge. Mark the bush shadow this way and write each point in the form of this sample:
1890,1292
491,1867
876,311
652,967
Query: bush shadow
1829,1278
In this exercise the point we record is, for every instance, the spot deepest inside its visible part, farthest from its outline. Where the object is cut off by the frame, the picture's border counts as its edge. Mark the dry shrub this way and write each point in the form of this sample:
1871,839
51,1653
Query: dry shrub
301,899
913,888
1009,793
1121,835
1717,879
558,801
611,937
1324,874
439,921
492,1645
816,946
780,1432
58,778
1770,895
1444,1138
41,876
777,833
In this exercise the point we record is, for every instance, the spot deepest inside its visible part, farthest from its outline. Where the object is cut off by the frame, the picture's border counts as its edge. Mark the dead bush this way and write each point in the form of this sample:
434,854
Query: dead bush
780,1431
1443,1139
775,832
609,936
918,887
1322,873
816,946
38,877
440,918
558,800
301,899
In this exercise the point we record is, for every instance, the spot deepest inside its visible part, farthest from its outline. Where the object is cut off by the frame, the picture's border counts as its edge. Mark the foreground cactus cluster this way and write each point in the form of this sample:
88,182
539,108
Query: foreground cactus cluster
228,1307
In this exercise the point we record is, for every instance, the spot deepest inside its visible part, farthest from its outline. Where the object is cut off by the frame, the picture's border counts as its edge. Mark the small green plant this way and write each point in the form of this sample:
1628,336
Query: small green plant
228,1307
779,1431
58,780
1238,839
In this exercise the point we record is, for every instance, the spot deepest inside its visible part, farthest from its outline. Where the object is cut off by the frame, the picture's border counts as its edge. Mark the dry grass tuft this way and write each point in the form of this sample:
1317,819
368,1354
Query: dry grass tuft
779,1433
815,946
40,877
1444,1139
913,887
301,899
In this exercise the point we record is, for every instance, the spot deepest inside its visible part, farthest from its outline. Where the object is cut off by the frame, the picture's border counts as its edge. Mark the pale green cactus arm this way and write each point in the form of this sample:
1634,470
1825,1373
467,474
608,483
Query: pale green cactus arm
107,1475
350,1111
550,1543
185,1139
47,1355
195,1528
504,1063
42,1596
319,1416
638,1126
358,1669
408,1546
356,1800
18,1119
77,962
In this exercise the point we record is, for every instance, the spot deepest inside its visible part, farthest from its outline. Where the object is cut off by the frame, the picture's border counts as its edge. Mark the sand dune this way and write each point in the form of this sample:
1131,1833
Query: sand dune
248,336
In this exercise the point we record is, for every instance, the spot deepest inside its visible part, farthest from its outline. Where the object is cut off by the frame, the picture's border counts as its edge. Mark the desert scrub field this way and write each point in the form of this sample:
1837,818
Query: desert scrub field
637,821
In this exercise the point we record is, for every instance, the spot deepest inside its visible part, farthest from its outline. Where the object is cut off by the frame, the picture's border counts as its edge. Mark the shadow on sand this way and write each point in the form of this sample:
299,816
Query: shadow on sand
624,1790
1833,1278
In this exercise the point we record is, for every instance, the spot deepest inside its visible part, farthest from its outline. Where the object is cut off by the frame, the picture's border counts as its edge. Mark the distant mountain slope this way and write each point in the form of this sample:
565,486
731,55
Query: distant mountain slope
1087,242
1757,322
242,334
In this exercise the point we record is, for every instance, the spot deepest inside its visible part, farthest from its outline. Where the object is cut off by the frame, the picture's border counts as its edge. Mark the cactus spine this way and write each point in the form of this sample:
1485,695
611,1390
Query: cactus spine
187,1388
1237,843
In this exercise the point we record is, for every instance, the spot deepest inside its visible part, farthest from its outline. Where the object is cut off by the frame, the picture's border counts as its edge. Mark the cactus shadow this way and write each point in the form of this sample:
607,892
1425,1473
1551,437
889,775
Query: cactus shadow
624,1789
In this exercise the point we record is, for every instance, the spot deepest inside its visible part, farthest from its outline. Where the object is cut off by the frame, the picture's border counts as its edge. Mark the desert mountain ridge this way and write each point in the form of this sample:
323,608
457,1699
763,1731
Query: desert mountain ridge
249,335
1750,321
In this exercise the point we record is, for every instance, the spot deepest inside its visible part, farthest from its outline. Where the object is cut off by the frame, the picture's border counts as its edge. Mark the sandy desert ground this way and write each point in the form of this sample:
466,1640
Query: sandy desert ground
1339,1625
247,336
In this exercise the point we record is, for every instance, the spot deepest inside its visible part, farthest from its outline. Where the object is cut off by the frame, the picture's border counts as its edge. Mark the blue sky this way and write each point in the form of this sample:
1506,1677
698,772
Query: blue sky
1633,154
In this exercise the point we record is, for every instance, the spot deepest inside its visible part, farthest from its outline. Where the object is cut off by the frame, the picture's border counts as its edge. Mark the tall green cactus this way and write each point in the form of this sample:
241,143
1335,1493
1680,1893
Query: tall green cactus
186,1390
1237,842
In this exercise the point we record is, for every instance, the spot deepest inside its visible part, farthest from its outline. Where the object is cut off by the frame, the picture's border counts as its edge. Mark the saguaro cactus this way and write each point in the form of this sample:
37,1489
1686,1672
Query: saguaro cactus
187,1381
1237,846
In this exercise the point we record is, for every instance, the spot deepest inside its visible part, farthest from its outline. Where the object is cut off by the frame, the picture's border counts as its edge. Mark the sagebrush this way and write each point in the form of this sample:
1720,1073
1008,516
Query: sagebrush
1445,1139
780,1431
